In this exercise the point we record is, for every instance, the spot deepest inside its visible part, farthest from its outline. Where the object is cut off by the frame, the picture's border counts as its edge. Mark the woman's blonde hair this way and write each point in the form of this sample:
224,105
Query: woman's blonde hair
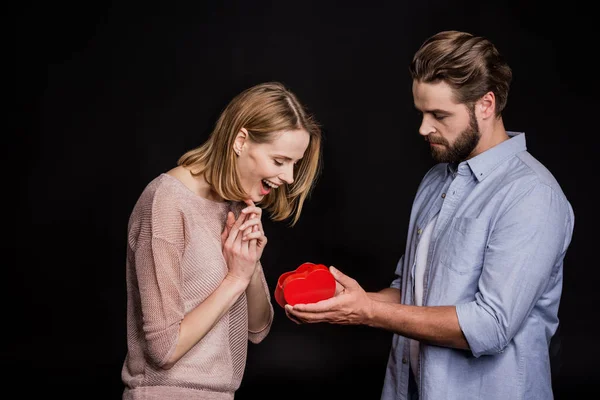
263,110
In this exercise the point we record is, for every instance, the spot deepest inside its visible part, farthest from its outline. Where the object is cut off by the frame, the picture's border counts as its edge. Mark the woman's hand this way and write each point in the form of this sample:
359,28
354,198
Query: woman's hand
240,255
252,228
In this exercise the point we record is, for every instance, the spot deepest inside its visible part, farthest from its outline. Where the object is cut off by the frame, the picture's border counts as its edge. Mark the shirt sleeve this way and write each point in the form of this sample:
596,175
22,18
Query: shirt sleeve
397,283
158,274
258,336
523,258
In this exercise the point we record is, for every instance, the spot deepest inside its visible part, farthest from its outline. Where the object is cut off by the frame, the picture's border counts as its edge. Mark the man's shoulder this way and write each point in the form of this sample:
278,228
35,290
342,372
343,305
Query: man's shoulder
526,172
524,176
536,170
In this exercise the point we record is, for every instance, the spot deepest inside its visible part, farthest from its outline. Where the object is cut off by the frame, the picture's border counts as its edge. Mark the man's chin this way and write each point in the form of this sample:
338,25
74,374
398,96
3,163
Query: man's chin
439,156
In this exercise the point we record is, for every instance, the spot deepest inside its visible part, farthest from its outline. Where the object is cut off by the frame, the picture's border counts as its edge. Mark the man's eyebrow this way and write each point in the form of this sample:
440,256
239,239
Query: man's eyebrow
435,111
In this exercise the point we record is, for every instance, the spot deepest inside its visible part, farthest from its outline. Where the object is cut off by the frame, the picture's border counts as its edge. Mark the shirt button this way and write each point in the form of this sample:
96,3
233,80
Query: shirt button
419,231
404,360
443,195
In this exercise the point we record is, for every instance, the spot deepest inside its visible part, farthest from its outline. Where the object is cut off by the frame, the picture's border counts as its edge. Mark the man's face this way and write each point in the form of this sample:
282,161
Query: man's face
450,128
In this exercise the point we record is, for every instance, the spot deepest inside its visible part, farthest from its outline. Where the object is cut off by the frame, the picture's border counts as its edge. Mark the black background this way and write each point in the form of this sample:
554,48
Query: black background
110,95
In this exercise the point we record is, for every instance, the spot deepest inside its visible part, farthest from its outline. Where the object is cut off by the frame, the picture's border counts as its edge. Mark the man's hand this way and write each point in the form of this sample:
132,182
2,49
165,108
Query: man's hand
349,306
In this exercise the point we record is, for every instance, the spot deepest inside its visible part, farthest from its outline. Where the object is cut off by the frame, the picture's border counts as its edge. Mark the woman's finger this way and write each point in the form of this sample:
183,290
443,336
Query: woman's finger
253,236
234,231
253,210
228,224
250,222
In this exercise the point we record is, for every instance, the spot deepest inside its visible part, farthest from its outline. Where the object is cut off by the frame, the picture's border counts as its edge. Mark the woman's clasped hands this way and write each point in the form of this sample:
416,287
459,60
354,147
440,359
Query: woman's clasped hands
243,240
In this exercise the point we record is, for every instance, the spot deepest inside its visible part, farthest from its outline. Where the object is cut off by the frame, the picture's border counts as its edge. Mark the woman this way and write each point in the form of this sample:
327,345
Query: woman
195,286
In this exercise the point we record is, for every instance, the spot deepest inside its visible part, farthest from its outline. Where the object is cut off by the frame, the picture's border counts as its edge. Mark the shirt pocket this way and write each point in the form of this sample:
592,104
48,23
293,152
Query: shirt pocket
465,247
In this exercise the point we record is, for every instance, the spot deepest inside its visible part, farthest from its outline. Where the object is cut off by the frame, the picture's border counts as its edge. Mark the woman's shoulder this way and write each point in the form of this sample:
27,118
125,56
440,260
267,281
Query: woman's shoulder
163,191
162,186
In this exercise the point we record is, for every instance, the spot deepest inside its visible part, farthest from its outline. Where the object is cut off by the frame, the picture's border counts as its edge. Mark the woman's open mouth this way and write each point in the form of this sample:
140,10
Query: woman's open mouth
266,186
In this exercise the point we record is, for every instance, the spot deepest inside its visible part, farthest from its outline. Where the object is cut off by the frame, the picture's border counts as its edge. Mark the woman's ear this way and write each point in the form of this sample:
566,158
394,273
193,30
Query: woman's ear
240,141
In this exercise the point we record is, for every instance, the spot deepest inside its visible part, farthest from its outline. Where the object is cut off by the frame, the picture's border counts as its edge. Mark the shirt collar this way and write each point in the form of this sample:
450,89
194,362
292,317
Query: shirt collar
483,164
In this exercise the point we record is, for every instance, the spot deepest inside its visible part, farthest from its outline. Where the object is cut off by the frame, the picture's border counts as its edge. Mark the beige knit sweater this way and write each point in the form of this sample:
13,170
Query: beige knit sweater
174,262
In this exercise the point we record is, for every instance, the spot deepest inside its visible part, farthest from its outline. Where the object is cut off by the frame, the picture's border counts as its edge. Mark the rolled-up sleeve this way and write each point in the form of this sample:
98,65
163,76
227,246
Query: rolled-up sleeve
523,256
397,283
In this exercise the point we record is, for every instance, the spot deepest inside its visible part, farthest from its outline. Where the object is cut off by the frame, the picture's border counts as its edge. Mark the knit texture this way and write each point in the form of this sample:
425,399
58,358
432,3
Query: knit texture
174,262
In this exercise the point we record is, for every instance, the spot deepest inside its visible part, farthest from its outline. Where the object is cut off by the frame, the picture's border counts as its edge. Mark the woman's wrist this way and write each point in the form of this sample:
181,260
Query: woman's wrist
236,282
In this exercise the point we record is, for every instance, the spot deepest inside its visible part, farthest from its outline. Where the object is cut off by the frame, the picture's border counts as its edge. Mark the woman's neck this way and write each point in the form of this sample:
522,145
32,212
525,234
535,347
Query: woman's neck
196,183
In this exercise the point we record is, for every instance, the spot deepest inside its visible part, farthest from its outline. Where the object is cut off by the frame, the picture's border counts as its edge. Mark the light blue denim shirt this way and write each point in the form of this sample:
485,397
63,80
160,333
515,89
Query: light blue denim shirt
496,253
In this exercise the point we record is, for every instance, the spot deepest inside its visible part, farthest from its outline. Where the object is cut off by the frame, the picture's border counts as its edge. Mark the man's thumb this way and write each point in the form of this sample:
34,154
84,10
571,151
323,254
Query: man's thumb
345,280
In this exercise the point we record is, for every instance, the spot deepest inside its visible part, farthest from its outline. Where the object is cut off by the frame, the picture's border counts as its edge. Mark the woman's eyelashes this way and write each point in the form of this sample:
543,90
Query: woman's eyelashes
280,163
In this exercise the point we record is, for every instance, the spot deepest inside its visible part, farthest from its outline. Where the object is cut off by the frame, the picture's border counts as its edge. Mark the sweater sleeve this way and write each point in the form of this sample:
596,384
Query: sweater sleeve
258,336
157,269
158,273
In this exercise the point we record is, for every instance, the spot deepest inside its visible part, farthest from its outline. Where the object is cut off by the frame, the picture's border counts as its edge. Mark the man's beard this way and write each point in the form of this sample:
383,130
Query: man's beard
462,147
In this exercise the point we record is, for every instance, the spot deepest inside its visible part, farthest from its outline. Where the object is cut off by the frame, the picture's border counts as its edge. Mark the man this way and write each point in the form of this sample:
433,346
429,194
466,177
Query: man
477,293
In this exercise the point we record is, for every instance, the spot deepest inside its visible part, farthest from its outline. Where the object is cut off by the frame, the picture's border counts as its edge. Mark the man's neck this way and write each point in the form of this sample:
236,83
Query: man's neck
493,136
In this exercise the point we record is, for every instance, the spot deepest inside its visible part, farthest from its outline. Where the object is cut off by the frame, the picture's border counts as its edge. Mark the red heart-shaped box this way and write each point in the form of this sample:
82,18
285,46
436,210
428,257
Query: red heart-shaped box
309,283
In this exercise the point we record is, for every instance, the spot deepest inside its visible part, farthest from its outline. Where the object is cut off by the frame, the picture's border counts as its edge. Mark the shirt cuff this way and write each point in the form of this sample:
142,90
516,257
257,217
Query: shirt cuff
479,329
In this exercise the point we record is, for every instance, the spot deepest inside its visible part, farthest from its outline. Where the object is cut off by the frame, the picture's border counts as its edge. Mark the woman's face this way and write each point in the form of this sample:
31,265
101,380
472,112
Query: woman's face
264,167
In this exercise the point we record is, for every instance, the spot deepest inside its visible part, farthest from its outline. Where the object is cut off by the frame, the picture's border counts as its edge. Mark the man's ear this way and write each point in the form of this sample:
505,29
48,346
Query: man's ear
240,141
486,106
